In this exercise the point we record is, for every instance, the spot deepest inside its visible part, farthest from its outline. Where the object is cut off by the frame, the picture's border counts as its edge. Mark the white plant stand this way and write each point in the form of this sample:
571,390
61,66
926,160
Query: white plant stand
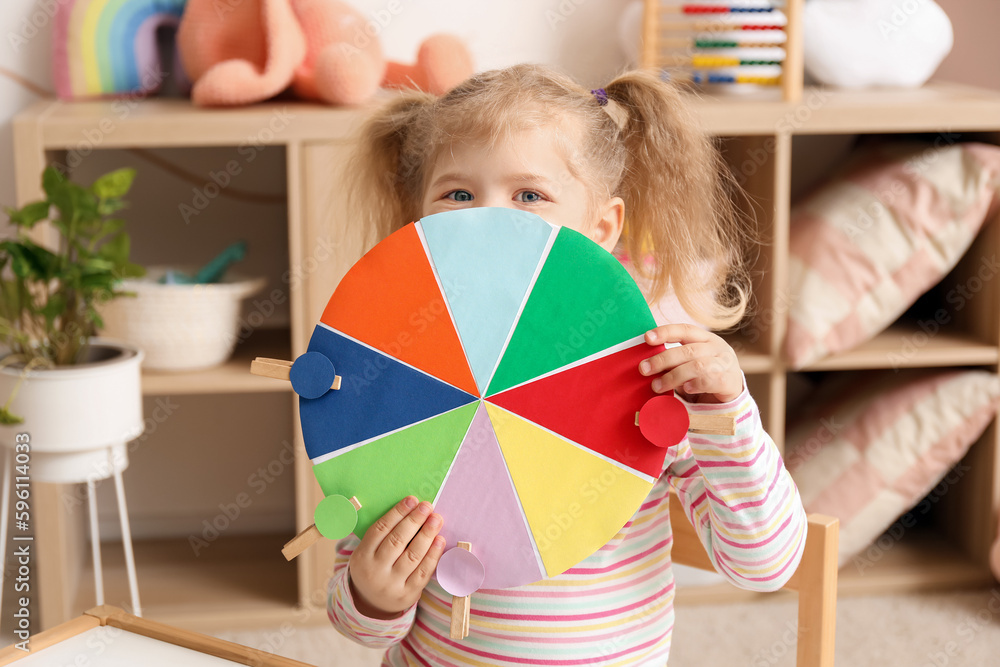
77,423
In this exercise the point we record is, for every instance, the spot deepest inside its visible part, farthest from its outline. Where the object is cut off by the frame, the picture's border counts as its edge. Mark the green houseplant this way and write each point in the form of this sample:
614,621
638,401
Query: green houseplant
48,298
79,397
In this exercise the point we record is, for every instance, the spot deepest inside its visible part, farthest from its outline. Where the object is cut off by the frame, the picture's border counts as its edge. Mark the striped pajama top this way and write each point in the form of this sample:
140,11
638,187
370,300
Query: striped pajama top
616,607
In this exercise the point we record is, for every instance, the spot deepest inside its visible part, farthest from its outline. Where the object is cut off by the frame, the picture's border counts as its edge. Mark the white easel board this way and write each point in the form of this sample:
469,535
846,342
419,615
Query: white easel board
108,646
108,637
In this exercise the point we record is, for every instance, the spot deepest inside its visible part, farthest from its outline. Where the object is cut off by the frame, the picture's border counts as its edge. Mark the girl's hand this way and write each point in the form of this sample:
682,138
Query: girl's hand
702,369
395,559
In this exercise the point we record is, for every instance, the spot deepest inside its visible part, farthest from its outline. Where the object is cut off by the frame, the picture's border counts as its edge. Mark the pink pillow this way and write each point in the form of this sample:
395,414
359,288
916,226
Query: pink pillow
874,444
867,244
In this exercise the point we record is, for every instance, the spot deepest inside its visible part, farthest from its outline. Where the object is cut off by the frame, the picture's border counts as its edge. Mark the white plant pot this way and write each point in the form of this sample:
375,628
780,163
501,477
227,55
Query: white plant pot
79,418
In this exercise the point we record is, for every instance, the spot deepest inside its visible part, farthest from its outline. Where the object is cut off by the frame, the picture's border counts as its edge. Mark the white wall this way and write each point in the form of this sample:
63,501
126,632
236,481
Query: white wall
24,50
577,35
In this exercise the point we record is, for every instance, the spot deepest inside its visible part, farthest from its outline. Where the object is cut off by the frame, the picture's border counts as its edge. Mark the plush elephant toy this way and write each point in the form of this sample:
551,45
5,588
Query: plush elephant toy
245,51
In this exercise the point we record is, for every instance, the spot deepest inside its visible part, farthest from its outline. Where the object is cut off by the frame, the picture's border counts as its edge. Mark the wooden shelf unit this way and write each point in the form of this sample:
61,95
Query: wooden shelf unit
924,560
756,135
231,377
243,579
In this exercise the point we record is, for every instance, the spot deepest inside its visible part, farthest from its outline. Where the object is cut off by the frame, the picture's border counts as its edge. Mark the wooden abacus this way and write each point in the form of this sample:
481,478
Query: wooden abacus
726,42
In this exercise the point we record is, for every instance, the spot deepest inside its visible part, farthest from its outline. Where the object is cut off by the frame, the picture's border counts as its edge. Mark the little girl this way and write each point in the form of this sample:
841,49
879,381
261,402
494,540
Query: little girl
531,139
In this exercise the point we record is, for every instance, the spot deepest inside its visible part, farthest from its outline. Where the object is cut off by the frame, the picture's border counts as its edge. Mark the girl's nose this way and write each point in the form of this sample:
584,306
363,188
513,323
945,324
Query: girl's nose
494,200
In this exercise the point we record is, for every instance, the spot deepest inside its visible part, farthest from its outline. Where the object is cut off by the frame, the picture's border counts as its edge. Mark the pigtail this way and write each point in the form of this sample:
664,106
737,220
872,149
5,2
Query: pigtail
678,202
383,172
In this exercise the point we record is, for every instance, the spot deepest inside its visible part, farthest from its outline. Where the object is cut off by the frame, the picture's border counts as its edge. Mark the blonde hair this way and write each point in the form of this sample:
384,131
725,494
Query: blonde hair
645,147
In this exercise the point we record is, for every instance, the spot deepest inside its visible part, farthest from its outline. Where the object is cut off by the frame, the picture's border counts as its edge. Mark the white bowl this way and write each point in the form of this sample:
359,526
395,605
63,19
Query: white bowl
179,327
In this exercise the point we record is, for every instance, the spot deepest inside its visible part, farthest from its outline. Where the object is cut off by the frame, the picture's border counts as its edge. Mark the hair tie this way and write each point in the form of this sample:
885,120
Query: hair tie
618,114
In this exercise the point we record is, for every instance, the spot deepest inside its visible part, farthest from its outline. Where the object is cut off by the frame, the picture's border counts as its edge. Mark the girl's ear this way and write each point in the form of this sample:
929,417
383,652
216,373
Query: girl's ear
609,225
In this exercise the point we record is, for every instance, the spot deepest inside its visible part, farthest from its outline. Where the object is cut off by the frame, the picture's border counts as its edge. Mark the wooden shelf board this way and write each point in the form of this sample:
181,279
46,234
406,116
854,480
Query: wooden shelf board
931,108
902,346
922,560
166,122
174,122
753,358
231,377
944,107
239,580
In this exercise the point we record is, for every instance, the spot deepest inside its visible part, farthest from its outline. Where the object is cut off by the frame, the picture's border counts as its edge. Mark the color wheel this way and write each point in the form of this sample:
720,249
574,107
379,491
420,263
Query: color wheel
489,364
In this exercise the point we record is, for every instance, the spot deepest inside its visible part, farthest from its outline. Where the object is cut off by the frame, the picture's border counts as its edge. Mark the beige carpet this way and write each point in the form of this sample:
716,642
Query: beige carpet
929,630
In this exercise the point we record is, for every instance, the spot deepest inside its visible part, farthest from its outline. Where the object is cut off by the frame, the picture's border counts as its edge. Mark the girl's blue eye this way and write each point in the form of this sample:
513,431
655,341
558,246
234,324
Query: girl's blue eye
528,197
460,195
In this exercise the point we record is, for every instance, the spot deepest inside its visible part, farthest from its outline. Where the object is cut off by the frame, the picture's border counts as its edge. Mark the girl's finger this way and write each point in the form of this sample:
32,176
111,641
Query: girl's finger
376,534
422,574
675,356
399,537
678,333
418,547
701,376
677,377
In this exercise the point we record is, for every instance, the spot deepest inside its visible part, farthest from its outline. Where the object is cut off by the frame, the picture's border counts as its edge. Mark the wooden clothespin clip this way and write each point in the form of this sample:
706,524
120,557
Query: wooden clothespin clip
308,537
460,608
711,424
664,420
279,369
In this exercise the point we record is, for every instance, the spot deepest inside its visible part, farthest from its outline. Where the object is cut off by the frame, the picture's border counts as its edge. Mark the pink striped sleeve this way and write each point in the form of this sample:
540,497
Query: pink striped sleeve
370,632
736,492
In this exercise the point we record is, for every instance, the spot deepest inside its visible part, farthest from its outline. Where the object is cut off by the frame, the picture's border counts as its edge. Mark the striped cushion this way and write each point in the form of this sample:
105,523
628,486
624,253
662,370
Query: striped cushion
866,245
873,444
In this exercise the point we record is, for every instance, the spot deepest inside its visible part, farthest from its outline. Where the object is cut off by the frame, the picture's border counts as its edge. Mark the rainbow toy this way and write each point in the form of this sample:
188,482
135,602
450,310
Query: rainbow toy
104,48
